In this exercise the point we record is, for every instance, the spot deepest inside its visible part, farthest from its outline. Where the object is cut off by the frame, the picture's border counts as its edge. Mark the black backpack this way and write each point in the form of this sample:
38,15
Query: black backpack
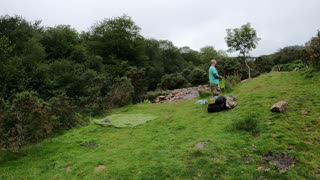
218,105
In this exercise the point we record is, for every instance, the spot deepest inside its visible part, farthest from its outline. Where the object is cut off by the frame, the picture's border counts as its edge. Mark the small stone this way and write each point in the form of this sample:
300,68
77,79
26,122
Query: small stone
107,121
99,168
200,145
279,106
304,112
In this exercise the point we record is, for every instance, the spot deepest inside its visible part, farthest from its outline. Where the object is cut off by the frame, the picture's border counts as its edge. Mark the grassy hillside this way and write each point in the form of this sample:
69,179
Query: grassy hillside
165,147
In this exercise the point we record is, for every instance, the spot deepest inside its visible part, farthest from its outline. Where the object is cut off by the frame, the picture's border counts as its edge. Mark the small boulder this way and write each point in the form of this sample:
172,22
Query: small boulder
279,106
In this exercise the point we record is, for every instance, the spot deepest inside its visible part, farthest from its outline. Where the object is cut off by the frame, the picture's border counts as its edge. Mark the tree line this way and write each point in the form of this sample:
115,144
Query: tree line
53,77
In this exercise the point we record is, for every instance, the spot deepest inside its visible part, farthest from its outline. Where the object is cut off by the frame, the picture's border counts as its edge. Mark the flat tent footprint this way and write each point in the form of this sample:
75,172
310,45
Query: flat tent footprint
125,119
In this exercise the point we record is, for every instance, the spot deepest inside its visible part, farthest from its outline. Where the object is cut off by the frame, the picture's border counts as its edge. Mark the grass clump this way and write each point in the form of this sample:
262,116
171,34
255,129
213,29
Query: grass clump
249,123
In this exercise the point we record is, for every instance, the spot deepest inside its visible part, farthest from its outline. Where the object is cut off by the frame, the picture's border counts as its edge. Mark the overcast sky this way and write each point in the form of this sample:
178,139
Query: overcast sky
193,23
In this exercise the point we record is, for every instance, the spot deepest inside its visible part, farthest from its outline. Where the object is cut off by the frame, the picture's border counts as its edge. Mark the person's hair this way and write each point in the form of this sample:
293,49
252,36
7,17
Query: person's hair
213,61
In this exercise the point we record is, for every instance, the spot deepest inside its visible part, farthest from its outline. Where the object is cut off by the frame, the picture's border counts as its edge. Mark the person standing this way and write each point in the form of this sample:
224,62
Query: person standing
214,78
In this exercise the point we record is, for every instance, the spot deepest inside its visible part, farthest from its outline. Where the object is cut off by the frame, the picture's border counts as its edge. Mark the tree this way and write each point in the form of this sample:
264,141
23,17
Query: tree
5,48
289,54
59,41
208,53
18,31
313,49
264,64
118,37
242,39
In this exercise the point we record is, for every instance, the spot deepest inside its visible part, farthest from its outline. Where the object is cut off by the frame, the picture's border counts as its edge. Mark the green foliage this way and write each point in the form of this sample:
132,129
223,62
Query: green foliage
230,82
198,76
289,54
119,37
307,72
192,56
121,92
289,67
171,57
5,48
228,66
263,64
60,41
138,81
152,95
208,53
18,31
13,77
30,119
313,50
242,39
173,81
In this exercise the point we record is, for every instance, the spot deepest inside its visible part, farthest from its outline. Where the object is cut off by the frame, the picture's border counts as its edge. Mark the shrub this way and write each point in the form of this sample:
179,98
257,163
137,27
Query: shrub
30,119
249,123
198,76
138,80
63,112
307,72
230,82
173,81
152,95
121,92
313,50
289,67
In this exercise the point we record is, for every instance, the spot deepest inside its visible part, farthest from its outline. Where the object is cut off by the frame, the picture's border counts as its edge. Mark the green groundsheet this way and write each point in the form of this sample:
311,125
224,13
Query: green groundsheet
125,120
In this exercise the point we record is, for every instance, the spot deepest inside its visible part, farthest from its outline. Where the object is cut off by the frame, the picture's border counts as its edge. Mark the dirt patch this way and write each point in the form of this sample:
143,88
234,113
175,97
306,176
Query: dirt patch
68,168
89,144
281,161
99,168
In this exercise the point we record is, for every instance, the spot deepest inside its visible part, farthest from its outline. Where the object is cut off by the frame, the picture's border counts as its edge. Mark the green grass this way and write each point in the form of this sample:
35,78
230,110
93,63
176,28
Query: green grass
164,148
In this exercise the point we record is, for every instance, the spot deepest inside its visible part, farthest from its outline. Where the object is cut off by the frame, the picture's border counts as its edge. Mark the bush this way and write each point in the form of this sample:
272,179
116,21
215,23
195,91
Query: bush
289,67
249,123
230,82
152,95
63,113
30,119
138,80
198,76
307,72
173,81
121,92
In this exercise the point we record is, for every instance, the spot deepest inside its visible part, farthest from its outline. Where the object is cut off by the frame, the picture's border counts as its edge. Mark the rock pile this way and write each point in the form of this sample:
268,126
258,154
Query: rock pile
182,94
